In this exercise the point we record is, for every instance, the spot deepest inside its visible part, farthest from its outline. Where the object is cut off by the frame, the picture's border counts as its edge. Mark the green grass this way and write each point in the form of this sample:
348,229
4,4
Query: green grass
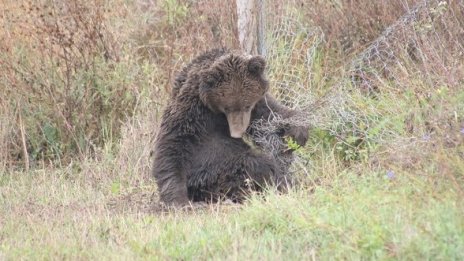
381,177
370,216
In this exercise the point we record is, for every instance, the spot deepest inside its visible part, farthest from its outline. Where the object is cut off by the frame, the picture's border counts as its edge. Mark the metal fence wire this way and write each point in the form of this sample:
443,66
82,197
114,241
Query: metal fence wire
426,42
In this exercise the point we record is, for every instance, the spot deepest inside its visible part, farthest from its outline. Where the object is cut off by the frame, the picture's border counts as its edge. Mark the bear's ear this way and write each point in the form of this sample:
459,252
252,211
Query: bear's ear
209,79
256,65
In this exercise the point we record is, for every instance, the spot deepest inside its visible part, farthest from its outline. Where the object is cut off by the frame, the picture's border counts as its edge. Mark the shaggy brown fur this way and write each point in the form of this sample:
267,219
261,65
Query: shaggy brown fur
199,154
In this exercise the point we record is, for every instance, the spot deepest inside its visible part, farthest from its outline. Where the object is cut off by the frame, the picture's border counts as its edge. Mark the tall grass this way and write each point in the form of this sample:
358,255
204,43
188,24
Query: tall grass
379,82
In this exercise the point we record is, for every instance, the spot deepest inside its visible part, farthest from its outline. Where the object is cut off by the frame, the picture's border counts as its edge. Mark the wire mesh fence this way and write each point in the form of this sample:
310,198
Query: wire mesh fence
321,55
425,43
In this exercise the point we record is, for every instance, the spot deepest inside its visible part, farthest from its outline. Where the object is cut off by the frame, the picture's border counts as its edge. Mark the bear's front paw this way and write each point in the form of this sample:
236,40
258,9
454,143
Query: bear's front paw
298,133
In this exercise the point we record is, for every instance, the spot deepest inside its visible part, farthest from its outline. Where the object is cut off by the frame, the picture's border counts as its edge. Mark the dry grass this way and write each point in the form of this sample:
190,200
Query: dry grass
380,83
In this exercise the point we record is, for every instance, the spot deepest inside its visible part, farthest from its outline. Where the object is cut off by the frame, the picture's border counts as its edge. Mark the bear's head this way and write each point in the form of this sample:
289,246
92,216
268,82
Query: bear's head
232,85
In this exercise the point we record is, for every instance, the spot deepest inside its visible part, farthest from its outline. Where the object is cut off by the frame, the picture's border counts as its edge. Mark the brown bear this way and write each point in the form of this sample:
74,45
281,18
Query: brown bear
199,153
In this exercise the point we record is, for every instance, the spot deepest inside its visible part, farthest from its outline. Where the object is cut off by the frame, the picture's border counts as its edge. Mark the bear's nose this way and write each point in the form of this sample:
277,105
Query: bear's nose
238,123
236,135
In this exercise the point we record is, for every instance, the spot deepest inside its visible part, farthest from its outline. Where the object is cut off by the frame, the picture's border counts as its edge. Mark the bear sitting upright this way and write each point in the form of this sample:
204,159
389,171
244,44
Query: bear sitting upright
200,154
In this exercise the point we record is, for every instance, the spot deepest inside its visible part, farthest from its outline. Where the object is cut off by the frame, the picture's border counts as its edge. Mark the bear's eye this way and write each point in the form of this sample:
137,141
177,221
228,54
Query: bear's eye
247,107
226,109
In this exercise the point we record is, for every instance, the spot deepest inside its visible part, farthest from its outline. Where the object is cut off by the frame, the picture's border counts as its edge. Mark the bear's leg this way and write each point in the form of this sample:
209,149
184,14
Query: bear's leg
229,170
259,168
170,175
252,172
173,189
267,108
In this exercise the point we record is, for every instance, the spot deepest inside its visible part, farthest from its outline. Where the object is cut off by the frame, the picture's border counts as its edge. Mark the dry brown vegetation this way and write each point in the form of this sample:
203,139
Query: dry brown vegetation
83,83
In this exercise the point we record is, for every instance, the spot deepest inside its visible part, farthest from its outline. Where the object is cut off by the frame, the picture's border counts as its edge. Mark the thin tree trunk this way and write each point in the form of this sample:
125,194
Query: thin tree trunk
251,26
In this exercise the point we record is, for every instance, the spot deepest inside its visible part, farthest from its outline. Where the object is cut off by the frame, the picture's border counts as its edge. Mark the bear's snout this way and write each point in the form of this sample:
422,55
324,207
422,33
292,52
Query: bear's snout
238,123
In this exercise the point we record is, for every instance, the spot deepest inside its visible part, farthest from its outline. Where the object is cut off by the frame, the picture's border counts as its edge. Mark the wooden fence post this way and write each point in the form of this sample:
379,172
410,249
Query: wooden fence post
251,26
